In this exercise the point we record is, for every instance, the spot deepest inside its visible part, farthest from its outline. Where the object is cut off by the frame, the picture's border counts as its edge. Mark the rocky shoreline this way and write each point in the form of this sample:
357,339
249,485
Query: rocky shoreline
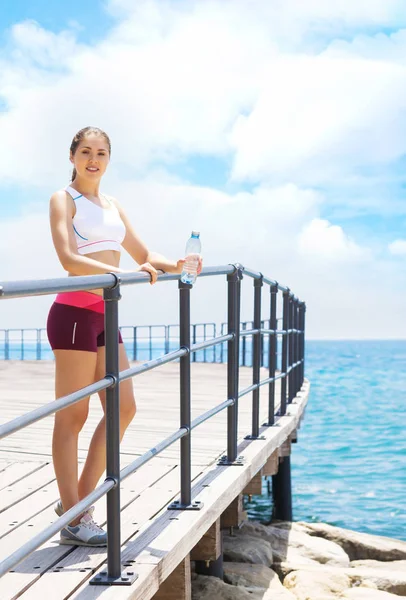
306,561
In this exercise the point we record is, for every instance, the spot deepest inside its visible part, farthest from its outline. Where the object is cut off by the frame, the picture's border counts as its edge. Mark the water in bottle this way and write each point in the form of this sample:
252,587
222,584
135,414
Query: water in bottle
192,255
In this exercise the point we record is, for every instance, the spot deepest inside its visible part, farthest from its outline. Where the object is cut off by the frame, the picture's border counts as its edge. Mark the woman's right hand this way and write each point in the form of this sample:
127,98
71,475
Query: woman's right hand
149,269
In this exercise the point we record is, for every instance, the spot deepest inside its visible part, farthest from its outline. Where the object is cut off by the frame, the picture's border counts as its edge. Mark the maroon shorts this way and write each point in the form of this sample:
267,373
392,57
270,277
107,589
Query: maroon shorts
76,328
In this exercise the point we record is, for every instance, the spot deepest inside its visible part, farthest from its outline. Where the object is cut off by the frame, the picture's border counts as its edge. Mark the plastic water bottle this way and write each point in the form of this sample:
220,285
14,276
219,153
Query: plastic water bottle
192,255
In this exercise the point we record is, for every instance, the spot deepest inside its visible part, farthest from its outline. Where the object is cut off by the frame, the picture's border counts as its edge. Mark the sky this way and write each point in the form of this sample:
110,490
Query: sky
277,128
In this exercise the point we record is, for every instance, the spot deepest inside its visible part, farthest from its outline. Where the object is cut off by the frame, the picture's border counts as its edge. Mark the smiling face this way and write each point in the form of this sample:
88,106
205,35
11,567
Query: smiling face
91,156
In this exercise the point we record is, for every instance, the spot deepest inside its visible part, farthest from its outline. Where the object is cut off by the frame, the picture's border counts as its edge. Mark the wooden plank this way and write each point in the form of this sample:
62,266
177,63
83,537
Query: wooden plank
178,585
17,471
26,487
255,485
209,547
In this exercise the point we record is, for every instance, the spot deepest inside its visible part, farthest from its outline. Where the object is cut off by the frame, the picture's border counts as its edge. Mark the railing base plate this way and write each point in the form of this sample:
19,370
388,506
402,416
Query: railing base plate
253,437
238,462
197,505
126,578
267,424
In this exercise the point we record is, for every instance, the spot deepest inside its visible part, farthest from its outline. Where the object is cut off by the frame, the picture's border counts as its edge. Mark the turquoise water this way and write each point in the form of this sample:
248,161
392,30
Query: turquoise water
349,465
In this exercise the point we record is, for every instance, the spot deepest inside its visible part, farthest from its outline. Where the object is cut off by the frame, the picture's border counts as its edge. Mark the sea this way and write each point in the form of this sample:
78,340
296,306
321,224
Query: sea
349,465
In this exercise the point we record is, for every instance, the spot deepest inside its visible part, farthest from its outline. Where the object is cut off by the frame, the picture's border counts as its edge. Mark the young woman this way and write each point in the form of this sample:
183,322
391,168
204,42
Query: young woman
88,231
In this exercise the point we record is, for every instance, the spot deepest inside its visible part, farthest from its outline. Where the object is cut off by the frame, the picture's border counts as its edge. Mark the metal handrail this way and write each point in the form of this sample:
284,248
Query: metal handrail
291,374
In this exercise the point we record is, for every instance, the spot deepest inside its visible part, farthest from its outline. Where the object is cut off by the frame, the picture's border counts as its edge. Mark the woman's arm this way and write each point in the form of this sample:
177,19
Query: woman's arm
61,213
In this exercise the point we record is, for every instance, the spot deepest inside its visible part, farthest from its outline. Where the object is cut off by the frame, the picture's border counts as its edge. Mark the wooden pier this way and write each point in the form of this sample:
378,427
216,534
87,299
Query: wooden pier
158,544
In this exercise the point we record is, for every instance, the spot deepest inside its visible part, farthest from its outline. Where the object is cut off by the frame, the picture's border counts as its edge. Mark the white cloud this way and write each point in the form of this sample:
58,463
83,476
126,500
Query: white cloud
259,83
326,242
398,248
163,91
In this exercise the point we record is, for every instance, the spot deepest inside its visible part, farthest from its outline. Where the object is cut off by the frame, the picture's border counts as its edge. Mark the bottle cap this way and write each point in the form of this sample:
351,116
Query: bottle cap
196,233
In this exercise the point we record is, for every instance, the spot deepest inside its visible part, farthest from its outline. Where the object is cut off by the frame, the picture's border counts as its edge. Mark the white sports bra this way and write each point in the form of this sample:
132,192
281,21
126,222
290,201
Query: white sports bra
96,228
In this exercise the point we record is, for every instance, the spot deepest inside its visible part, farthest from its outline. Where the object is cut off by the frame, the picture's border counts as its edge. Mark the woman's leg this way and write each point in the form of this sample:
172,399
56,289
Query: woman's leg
96,458
74,369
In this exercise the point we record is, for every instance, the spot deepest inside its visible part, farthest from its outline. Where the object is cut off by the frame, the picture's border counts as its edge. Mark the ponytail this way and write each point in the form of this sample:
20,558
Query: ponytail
73,174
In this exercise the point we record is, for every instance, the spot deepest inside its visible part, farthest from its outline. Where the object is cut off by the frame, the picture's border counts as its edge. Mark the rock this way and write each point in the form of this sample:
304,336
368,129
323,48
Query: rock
358,546
245,548
297,546
396,565
212,588
256,578
385,578
318,584
360,593
250,576
380,577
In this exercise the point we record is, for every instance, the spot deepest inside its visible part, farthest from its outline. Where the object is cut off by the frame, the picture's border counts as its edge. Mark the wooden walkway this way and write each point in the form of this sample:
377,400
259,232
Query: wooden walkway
154,540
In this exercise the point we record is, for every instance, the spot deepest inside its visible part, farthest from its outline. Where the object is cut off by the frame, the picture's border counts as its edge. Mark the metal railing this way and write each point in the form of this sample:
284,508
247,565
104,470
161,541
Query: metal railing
291,375
142,342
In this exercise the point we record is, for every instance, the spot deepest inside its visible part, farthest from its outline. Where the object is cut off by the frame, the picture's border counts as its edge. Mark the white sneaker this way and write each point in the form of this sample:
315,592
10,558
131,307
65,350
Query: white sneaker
85,533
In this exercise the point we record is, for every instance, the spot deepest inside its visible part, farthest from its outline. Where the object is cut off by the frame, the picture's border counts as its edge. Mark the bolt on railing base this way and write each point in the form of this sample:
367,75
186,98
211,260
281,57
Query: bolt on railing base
238,462
126,578
254,437
197,505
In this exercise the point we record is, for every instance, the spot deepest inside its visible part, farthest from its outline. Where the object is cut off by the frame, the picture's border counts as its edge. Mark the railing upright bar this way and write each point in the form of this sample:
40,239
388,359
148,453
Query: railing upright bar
256,357
244,346
297,340
272,353
134,343
185,409
194,357
111,298
7,345
233,360
284,366
303,342
291,349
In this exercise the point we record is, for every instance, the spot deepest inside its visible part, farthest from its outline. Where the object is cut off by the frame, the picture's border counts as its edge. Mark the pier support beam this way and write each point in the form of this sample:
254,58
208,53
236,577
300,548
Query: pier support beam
254,488
178,586
234,515
208,553
282,491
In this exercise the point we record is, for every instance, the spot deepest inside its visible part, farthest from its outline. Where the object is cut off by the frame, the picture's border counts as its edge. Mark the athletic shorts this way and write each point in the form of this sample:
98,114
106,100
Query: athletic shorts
76,322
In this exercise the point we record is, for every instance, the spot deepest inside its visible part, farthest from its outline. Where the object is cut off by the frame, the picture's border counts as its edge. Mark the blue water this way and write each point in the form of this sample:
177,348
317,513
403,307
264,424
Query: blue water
349,465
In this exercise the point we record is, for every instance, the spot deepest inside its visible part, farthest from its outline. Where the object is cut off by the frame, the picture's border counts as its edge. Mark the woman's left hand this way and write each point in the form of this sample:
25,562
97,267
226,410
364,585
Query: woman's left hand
181,262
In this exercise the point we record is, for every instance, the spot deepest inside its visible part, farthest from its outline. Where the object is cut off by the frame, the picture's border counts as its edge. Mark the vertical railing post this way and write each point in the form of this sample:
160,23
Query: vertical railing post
6,345
297,349
256,358
114,574
38,344
233,363
167,339
244,346
134,343
290,349
303,335
194,357
185,387
284,366
185,502
111,298
272,353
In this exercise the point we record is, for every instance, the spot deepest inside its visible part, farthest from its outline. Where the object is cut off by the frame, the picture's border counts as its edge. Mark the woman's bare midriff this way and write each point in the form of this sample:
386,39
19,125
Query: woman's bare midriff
108,257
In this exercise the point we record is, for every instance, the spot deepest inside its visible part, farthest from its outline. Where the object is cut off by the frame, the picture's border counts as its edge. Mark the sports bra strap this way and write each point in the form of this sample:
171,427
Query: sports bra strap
72,192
